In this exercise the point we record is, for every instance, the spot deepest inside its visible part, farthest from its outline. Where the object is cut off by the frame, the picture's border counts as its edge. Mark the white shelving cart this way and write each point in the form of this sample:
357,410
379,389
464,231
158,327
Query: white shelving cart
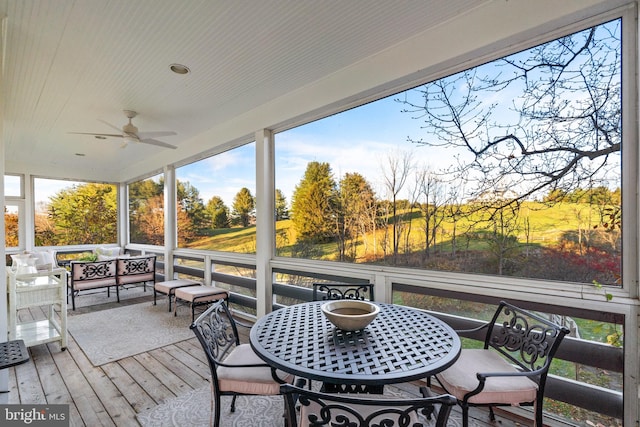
44,288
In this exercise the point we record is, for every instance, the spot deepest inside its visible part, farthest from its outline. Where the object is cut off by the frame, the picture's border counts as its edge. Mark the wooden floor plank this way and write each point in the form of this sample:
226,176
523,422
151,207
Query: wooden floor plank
89,406
200,366
13,396
130,389
29,386
145,379
52,384
112,399
194,349
174,383
184,372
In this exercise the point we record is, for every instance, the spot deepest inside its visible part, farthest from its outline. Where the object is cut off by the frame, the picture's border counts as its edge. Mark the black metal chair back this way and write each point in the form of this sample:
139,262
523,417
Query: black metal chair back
218,334
525,338
334,291
528,341
331,409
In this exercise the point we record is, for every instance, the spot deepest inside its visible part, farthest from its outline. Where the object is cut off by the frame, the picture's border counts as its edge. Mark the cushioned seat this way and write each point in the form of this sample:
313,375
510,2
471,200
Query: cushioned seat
195,296
169,287
248,380
92,275
235,368
457,381
511,369
138,269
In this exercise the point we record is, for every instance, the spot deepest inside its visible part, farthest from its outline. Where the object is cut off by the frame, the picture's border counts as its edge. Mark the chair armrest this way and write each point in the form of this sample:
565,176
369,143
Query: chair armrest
484,375
244,325
479,328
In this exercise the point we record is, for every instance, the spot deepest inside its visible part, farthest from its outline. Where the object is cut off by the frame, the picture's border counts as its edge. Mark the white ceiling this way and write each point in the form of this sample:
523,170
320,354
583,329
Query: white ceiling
70,63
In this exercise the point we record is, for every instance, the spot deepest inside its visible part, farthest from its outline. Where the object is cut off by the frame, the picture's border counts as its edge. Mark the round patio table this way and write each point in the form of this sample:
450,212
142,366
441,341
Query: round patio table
401,344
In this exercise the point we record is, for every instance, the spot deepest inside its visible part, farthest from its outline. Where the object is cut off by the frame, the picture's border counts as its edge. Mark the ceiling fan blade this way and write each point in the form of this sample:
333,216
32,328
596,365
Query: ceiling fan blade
158,143
113,135
110,125
159,134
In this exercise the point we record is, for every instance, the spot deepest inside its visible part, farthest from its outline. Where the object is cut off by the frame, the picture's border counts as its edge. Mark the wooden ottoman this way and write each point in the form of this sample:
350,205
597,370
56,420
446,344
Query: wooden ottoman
169,287
198,295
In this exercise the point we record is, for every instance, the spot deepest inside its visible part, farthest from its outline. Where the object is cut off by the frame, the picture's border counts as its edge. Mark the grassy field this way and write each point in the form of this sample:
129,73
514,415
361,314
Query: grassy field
546,227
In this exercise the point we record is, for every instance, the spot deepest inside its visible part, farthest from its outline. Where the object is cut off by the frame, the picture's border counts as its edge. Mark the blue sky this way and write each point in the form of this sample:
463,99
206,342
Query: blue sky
358,140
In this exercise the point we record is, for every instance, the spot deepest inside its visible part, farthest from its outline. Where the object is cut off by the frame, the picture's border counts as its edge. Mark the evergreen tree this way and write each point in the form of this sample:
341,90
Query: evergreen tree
218,212
243,207
83,214
189,201
313,205
281,206
357,202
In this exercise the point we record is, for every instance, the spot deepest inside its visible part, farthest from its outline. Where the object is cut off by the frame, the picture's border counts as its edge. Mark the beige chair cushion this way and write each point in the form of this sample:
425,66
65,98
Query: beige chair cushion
255,380
169,285
200,293
363,410
461,378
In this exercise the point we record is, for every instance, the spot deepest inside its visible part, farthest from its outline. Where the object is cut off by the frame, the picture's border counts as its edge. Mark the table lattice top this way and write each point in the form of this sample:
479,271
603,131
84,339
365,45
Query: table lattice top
401,344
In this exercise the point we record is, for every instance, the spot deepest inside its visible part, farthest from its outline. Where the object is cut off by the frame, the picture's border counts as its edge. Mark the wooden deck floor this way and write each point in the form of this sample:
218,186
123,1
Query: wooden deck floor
112,394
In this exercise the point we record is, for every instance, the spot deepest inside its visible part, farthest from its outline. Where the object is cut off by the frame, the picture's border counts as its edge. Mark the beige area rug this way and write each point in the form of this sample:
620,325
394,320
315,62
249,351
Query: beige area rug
108,335
192,409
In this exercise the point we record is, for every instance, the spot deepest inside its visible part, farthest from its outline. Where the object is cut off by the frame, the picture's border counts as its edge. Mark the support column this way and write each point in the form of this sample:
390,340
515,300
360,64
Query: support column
4,375
123,215
265,220
170,220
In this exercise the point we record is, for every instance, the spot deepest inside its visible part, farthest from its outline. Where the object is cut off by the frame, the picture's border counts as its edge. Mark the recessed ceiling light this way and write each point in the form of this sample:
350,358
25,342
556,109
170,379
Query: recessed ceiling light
100,137
179,68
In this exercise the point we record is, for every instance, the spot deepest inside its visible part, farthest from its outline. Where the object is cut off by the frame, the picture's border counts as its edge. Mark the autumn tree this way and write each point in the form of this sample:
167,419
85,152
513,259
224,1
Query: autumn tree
11,229
313,204
146,212
149,222
396,170
218,212
432,201
243,207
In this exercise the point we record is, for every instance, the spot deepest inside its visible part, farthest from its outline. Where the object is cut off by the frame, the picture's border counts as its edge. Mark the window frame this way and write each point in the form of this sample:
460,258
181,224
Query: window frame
630,162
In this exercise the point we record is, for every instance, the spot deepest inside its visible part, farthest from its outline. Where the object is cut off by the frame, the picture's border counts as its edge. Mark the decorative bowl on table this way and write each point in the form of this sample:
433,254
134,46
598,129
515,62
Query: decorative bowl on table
350,315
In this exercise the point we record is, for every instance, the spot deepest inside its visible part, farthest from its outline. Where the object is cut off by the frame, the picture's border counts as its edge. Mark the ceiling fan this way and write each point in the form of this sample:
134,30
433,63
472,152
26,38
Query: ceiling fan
129,133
